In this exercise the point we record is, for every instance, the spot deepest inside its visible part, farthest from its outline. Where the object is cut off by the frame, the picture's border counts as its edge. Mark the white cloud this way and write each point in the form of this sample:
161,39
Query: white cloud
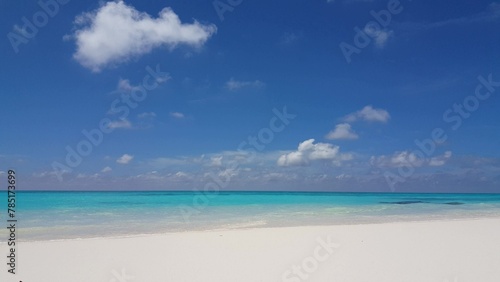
122,123
342,131
181,174
380,36
307,151
124,85
405,158
440,160
233,84
216,161
177,115
106,169
116,32
343,176
125,159
229,173
368,113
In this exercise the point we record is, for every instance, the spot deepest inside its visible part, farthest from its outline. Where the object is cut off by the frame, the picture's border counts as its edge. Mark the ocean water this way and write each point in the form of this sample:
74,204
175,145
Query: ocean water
64,215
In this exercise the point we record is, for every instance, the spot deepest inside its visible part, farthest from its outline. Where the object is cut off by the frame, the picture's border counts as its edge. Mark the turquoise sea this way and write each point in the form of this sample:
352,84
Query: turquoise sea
64,215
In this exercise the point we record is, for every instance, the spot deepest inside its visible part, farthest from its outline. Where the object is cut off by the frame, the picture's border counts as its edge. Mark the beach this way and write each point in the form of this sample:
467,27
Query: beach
453,250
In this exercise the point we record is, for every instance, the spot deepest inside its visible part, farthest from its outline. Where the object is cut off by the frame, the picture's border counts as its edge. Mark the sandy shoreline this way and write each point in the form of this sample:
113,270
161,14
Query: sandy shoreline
445,250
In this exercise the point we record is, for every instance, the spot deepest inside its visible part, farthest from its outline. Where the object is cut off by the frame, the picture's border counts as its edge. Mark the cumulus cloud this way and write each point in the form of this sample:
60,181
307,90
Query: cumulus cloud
233,84
342,131
307,152
125,159
116,32
368,113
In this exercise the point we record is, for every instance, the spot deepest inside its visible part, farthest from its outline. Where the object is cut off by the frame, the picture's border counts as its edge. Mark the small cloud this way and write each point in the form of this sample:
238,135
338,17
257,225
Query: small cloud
124,85
228,173
380,36
122,123
234,85
290,37
106,169
177,115
440,160
181,174
404,158
368,113
125,159
342,131
117,32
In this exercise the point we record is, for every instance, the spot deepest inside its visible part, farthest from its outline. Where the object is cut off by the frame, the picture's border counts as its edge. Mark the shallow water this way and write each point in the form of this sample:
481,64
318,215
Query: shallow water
64,215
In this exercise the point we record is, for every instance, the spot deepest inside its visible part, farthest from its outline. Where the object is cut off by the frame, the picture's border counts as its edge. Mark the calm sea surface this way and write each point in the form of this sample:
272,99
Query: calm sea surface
63,215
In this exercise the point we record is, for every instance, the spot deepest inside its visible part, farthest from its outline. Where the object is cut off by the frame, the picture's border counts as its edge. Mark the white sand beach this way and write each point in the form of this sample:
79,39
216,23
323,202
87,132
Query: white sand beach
432,251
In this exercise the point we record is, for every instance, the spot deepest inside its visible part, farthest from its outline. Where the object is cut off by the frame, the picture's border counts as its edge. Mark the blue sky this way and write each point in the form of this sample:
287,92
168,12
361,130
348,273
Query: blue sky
342,95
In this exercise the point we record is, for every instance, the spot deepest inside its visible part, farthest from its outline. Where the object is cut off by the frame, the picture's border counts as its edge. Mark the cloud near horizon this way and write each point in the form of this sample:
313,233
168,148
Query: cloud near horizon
405,158
116,32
